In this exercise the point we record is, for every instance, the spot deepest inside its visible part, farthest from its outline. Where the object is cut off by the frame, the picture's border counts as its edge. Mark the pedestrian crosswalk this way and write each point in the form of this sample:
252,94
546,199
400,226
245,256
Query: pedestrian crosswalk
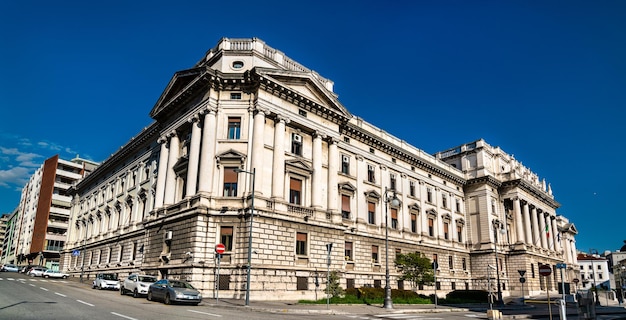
33,280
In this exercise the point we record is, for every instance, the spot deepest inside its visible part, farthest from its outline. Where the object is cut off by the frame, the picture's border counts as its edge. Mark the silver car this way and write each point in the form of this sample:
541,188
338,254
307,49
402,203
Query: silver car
172,291
37,271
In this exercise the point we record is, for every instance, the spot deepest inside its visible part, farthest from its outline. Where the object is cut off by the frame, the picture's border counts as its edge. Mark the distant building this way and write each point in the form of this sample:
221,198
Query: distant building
320,176
8,243
42,217
594,271
3,229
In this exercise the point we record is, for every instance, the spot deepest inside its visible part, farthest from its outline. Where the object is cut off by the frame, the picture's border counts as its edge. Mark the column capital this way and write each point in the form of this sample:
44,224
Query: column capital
162,139
332,140
257,109
281,118
318,135
194,118
172,133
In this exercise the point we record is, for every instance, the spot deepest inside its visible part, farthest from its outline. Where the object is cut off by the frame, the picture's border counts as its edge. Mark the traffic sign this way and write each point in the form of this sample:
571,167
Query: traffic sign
522,280
220,248
561,265
576,280
76,253
521,272
545,270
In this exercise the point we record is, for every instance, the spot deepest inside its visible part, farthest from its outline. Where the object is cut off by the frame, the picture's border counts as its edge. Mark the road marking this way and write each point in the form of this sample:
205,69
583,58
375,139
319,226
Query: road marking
208,314
123,316
32,285
60,294
472,315
87,303
397,316
42,288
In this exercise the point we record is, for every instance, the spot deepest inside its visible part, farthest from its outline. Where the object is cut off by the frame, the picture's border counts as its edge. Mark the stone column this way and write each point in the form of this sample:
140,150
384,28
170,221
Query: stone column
542,232
519,226
533,216
207,153
194,156
162,172
278,161
316,188
258,146
550,238
528,230
170,180
333,162
555,236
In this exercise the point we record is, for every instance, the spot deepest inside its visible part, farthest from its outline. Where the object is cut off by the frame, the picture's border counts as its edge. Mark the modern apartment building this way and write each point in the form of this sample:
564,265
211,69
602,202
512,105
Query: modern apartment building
8,243
3,230
250,147
42,217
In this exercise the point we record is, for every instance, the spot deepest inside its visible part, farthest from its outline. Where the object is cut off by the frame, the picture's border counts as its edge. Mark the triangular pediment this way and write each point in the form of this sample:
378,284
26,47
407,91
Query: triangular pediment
307,86
571,228
298,165
347,186
414,207
177,85
231,154
372,194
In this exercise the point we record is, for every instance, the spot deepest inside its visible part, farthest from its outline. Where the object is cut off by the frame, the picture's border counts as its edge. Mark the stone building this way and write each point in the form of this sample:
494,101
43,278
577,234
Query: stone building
247,113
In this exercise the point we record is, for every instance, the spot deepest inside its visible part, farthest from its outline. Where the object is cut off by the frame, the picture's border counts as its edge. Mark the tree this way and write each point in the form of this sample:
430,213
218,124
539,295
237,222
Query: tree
333,288
415,268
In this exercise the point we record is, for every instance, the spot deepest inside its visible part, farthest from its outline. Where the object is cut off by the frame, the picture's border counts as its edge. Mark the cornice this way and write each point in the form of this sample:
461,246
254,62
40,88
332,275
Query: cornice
522,184
489,180
363,136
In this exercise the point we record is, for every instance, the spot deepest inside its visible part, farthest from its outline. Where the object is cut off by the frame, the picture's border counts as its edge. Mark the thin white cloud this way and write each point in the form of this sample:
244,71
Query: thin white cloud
16,176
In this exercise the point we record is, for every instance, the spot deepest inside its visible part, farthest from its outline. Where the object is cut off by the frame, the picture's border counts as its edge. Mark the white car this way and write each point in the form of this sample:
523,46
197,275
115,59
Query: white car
106,281
55,274
9,268
137,284
37,271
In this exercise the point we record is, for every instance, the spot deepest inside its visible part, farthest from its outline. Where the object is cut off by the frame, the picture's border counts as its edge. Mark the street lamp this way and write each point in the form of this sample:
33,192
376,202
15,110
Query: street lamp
593,274
497,225
253,173
388,304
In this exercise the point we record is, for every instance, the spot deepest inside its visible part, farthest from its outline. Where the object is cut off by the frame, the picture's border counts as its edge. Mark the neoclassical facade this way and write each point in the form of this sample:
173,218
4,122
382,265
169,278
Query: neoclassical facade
247,113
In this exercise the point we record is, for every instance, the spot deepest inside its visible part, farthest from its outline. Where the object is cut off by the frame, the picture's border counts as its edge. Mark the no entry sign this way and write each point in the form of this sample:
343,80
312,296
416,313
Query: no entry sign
220,248
545,270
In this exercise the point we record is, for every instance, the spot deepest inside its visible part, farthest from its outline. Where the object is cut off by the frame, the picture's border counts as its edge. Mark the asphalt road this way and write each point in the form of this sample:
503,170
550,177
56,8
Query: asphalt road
23,298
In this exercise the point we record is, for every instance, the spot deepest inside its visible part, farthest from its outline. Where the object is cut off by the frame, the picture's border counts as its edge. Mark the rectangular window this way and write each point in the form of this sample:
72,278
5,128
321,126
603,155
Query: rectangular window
345,206
301,244
224,282
392,181
377,283
371,174
230,182
394,218
412,188
450,262
429,195
374,254
302,283
453,285
226,237
235,96
296,144
348,251
464,264
234,128
350,283
413,222
444,201
295,191
459,233
431,227
445,230
345,164
371,212
458,205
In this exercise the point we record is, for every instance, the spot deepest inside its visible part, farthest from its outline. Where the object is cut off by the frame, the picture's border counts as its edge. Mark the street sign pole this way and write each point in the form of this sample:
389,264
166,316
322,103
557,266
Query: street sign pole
219,249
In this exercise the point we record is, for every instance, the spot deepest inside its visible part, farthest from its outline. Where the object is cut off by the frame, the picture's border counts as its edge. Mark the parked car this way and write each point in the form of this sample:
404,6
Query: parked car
137,284
27,268
10,268
55,274
106,281
37,271
171,291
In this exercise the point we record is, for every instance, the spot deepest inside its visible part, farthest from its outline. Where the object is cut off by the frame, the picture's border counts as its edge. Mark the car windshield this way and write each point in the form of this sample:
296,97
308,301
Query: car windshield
108,276
147,279
180,284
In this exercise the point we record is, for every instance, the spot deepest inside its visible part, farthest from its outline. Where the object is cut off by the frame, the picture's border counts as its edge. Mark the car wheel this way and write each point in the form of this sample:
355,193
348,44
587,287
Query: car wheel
46,277
135,293
149,296
64,277
167,299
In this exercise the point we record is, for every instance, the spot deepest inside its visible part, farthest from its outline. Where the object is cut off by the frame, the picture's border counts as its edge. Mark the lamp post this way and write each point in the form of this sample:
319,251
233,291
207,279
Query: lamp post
497,225
388,303
82,265
593,274
253,173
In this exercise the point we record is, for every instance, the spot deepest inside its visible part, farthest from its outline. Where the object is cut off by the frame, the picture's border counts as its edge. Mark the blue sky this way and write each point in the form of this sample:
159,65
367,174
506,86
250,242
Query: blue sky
544,80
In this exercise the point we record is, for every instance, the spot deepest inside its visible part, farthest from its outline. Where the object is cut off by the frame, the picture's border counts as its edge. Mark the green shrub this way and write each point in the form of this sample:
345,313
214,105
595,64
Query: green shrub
467,296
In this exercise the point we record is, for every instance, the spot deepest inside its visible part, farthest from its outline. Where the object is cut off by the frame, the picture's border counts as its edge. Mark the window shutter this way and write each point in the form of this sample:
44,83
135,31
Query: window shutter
295,184
371,207
345,203
301,237
230,176
394,213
